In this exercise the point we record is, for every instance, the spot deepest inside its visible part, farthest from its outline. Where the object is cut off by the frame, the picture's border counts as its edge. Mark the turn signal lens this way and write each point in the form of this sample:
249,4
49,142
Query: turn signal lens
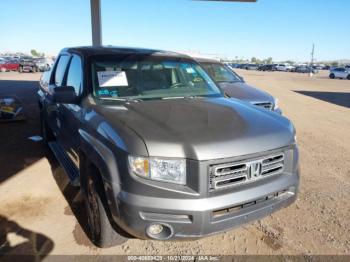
139,166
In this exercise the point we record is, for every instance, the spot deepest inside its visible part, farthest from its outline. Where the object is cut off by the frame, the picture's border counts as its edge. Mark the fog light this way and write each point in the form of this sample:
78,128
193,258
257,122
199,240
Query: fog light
159,231
155,229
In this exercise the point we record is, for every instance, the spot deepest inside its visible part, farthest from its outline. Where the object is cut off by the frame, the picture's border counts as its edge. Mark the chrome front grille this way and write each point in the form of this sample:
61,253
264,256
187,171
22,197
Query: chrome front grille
231,174
266,105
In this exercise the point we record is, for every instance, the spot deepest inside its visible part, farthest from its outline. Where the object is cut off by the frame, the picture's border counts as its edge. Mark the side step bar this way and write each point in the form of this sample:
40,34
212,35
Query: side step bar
69,167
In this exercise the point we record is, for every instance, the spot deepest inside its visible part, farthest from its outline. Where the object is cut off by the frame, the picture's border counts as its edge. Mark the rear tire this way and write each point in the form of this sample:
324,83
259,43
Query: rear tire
331,76
101,232
348,78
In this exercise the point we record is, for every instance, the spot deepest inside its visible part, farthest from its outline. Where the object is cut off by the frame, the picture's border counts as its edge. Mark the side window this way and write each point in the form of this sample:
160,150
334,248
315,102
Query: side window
74,77
61,69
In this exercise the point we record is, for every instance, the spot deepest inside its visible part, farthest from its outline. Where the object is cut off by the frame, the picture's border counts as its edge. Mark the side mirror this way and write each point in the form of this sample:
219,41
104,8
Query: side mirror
64,94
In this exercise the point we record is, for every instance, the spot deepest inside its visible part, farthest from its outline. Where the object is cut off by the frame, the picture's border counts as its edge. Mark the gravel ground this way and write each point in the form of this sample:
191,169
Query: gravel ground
41,214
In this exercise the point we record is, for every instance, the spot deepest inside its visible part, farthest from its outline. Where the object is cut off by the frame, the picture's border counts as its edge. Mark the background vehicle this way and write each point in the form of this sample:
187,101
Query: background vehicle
339,72
157,149
27,64
43,64
242,66
269,67
305,69
8,65
284,67
234,86
235,65
251,67
317,67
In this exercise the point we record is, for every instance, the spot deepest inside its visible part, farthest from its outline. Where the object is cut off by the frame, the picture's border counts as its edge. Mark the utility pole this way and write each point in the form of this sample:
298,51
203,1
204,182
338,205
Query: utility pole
312,59
96,22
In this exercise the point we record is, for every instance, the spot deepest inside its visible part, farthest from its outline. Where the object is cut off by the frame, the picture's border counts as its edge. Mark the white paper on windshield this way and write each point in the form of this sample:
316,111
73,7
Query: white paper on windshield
112,78
190,70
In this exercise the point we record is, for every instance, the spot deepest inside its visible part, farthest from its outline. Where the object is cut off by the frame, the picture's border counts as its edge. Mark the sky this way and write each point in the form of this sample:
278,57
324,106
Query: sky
282,29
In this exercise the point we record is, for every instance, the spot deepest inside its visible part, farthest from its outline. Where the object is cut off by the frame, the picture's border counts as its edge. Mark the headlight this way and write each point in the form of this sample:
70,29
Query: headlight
276,106
167,170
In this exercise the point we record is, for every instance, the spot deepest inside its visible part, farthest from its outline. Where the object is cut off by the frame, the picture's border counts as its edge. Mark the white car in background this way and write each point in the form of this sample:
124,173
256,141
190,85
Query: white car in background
340,72
284,67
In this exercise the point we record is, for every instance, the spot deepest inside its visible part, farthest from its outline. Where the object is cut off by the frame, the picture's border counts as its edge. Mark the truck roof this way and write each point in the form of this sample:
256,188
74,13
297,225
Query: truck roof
110,50
206,60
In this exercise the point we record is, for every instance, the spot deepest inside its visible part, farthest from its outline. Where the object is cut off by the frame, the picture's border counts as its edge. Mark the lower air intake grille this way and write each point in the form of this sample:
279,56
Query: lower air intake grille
233,209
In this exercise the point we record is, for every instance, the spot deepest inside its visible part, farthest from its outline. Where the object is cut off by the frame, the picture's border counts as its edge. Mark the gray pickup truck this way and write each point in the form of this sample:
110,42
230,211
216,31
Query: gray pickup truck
156,148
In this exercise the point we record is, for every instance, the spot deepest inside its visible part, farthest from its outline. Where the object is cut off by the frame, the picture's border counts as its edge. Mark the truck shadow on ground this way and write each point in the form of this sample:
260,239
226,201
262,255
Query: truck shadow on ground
34,247
75,200
337,98
17,152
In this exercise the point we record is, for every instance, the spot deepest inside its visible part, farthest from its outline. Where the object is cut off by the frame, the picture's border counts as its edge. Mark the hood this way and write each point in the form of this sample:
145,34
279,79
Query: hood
200,129
242,91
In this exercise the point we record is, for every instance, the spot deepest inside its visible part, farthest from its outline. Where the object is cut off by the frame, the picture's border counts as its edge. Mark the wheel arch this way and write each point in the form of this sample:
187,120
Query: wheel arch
104,160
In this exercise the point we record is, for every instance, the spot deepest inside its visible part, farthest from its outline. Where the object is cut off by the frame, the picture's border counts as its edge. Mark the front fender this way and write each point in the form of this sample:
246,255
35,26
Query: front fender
103,158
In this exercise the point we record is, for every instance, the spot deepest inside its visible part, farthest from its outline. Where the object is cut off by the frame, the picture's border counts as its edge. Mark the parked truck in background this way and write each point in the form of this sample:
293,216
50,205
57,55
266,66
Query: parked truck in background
27,64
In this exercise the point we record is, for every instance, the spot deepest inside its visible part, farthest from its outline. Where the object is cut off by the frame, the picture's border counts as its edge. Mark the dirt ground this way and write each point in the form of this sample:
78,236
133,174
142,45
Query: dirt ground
41,214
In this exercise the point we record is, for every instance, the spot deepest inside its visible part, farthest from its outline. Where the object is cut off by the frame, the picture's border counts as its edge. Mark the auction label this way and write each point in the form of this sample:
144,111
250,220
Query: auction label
112,78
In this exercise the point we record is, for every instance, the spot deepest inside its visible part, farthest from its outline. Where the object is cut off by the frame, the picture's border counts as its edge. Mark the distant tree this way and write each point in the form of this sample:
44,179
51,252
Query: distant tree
289,62
36,53
334,64
269,60
253,60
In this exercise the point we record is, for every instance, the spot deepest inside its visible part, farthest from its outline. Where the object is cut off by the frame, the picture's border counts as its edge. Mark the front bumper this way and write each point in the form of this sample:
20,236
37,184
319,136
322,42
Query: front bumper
194,218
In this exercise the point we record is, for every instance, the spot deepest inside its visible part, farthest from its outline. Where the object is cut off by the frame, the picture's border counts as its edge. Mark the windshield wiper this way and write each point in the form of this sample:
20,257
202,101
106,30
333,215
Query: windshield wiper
181,97
173,97
226,81
121,99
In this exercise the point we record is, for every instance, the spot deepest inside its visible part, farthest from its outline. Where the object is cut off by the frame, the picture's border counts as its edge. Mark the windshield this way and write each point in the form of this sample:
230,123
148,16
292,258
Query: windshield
150,78
221,73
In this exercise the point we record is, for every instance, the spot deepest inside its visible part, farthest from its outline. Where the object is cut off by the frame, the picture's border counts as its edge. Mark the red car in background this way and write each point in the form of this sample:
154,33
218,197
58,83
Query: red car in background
9,65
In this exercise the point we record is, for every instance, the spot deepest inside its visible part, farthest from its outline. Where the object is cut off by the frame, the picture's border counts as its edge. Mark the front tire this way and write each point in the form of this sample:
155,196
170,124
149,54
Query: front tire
100,230
348,78
331,76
